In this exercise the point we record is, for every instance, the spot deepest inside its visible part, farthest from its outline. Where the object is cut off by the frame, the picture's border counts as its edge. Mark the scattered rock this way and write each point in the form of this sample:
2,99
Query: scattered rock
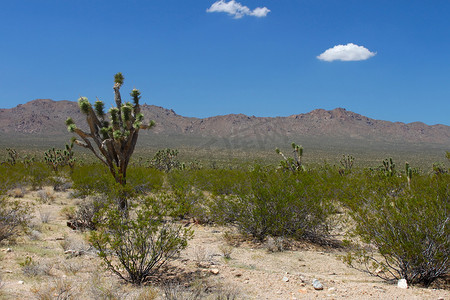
285,279
204,264
238,274
402,283
7,271
8,250
317,285
59,239
20,282
214,271
331,289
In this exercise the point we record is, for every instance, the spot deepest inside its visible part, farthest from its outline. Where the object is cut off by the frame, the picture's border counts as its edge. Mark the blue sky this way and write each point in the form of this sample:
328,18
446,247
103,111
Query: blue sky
200,59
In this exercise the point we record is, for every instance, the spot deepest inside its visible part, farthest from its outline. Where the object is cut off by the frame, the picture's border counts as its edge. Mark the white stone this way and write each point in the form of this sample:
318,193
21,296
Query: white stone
317,285
285,279
402,283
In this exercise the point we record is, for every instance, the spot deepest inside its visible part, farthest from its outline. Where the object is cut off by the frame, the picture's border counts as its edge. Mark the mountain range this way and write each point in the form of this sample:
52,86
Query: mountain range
44,118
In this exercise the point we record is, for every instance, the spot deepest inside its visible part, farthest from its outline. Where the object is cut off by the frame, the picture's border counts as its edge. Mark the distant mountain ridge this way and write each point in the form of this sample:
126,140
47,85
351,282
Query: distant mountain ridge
45,117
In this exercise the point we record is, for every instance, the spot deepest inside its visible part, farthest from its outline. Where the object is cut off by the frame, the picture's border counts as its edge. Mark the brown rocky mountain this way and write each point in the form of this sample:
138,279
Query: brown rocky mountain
45,118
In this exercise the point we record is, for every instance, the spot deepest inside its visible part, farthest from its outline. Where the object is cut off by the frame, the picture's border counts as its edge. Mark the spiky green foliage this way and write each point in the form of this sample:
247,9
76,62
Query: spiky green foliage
12,156
346,163
99,108
84,105
293,164
409,172
112,144
118,78
389,167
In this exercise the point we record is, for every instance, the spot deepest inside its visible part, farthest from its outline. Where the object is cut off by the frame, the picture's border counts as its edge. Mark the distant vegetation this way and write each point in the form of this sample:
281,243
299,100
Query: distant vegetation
400,213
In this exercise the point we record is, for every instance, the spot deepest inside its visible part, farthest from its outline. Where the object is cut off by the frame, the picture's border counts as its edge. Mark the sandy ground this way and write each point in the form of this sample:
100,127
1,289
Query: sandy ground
250,272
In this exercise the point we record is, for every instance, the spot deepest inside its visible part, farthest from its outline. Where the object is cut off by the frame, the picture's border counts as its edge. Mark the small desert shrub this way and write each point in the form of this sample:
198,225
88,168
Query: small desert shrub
409,227
142,242
88,215
68,212
99,288
13,217
46,196
226,292
16,193
226,250
276,244
33,268
71,267
45,216
34,235
74,243
175,291
60,289
147,293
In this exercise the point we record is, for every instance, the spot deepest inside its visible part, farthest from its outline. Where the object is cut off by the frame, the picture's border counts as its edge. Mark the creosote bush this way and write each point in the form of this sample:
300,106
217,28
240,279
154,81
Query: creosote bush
409,228
134,248
277,204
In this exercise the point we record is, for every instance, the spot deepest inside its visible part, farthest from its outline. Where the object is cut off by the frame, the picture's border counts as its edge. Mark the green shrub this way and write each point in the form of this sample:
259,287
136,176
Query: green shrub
141,243
91,179
277,204
409,228
94,179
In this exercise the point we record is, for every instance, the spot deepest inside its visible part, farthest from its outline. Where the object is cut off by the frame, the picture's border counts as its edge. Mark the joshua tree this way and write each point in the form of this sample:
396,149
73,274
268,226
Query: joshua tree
113,141
293,164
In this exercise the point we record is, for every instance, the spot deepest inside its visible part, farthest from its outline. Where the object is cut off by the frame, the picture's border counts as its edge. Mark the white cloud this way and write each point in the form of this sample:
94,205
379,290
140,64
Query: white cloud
349,52
237,10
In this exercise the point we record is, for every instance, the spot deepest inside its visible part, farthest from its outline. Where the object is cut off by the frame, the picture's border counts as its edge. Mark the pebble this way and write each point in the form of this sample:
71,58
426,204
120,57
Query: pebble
9,250
285,279
214,271
402,284
20,282
317,285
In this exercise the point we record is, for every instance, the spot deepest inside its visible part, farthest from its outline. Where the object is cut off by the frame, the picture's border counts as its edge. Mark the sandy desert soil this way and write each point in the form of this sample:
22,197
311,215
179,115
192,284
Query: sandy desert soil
65,266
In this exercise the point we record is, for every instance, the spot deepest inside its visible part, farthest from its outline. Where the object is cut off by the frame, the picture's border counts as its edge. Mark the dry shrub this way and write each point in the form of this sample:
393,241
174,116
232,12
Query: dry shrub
32,268
68,212
226,250
201,255
147,293
71,267
233,238
60,289
14,216
45,216
16,193
102,288
176,291
74,243
46,196
87,216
